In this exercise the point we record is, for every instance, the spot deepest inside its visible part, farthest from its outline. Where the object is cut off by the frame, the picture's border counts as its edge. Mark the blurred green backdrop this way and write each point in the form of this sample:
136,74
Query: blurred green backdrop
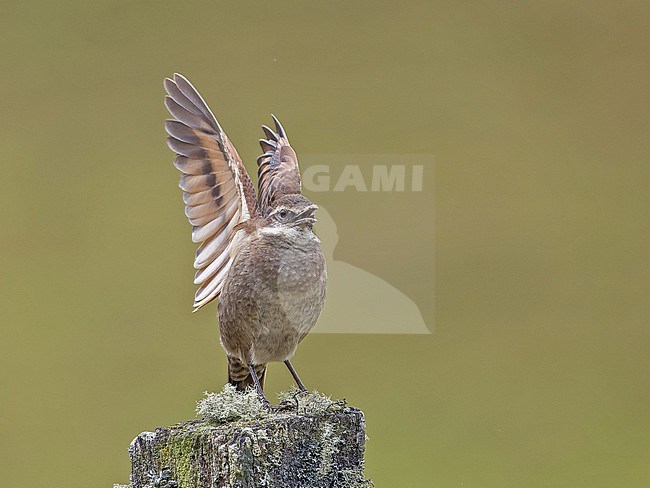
537,115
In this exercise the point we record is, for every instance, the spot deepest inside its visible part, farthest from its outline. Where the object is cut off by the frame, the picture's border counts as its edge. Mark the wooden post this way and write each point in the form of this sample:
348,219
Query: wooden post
238,444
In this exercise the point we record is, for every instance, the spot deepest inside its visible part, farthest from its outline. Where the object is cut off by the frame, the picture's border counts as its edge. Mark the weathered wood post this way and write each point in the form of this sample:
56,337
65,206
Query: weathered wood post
238,444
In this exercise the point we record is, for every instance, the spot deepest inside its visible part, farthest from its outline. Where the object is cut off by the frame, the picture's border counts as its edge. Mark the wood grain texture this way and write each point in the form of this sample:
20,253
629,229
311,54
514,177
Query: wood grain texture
314,450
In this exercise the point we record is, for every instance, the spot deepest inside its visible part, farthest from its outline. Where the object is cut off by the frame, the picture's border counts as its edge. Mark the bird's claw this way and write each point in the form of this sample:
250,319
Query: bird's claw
283,406
286,405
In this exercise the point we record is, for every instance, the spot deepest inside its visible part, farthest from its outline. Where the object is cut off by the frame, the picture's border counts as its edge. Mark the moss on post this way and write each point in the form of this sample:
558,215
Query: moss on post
239,444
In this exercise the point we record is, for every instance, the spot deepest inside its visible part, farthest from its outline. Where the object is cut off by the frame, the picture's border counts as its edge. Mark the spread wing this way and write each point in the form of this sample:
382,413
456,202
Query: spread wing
217,190
278,170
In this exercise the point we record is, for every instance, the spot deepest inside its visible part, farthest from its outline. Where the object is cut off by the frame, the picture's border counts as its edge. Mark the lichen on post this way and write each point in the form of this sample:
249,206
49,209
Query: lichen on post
237,443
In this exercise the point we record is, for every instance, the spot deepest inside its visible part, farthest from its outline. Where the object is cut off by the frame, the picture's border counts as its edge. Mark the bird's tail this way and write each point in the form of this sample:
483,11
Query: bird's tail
239,376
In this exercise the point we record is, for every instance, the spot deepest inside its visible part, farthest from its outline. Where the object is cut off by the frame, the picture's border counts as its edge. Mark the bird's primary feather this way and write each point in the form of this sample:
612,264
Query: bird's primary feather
217,190
278,170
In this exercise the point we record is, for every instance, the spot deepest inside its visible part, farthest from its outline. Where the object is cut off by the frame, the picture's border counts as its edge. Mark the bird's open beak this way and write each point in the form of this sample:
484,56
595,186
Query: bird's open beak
306,217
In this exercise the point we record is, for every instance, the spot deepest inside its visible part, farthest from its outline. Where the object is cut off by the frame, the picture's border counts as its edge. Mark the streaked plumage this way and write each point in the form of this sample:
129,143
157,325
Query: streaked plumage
268,270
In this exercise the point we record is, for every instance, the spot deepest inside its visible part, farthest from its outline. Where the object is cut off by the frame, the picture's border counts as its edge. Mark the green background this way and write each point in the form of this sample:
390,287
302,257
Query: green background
537,116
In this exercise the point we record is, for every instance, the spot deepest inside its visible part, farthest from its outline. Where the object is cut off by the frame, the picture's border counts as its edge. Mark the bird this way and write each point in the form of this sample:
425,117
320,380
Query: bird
258,255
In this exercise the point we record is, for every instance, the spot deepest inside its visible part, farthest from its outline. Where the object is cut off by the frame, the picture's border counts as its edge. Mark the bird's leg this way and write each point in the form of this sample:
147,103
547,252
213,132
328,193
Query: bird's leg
263,399
295,375
258,387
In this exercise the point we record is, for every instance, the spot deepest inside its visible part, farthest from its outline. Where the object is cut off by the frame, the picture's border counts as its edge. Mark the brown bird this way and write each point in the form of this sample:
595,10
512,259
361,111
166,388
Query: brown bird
258,255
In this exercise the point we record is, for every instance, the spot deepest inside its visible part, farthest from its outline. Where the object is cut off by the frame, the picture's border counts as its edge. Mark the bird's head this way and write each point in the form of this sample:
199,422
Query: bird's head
292,212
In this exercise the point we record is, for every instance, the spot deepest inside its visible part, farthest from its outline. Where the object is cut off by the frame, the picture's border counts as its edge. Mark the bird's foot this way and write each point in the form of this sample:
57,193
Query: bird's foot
283,406
286,405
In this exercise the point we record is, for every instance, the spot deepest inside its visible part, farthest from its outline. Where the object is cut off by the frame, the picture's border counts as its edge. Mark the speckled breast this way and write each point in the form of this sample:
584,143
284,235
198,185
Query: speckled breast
290,294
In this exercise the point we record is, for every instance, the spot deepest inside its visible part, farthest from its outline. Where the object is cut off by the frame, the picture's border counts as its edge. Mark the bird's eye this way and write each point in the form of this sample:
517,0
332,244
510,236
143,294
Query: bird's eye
283,214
